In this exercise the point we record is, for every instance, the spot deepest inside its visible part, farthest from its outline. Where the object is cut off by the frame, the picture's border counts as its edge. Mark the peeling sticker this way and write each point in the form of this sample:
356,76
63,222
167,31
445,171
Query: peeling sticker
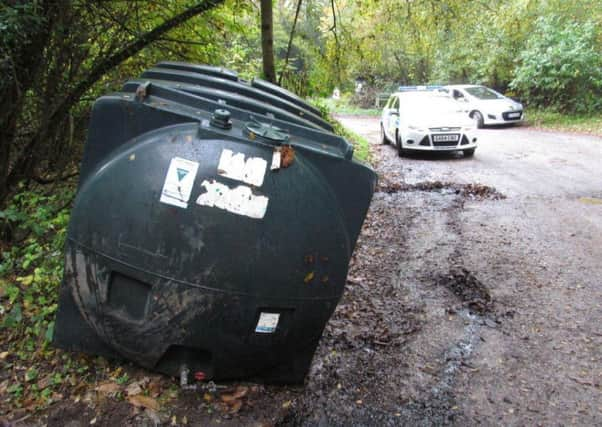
239,200
275,160
268,322
233,165
178,182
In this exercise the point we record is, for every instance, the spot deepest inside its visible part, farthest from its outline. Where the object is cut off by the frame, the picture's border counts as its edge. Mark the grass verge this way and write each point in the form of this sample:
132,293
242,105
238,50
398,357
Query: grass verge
361,150
342,106
581,123
361,145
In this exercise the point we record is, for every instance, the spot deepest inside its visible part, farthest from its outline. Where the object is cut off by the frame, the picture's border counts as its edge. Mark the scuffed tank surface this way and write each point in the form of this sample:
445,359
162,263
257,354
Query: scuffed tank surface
212,229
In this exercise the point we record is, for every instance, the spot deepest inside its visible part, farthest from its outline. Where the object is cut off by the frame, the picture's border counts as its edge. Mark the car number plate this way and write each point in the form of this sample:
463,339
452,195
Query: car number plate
443,138
513,115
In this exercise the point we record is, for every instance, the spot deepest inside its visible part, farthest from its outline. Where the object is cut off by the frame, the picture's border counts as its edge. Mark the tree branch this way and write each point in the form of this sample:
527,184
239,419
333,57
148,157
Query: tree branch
128,51
290,43
54,120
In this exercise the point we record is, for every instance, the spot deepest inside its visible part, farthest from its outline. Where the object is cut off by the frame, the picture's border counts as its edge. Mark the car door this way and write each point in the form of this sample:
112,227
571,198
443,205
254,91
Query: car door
462,98
393,119
384,118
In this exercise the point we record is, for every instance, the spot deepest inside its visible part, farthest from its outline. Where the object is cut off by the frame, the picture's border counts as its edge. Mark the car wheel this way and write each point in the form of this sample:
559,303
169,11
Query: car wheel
383,137
400,151
478,118
469,152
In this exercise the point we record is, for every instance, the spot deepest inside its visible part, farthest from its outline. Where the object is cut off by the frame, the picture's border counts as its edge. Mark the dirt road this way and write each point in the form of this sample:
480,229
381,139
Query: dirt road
533,355
474,298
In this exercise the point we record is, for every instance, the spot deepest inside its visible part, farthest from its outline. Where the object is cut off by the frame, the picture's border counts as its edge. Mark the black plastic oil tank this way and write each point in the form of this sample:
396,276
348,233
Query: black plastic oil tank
213,227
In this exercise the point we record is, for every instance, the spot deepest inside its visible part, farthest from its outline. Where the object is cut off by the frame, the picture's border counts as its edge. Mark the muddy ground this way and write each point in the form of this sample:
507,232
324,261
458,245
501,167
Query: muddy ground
474,298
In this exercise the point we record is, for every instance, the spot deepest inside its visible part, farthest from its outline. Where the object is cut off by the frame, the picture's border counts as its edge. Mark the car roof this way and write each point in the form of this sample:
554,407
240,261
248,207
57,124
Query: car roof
462,86
421,93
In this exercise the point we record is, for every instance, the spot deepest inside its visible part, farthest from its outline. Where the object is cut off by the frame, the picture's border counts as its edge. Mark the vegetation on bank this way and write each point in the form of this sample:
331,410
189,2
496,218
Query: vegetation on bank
34,374
553,120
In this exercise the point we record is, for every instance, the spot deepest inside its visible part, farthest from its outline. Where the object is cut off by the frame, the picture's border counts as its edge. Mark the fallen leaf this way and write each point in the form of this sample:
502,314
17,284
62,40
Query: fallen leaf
240,392
309,277
154,386
3,355
133,389
287,156
144,402
108,388
287,404
235,407
44,382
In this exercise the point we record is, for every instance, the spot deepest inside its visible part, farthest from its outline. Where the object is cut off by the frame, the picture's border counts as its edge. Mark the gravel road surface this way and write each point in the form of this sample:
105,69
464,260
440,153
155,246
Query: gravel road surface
535,356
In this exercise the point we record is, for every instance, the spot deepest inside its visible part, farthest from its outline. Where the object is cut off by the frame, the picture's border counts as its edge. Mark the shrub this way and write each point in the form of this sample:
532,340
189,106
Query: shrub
561,66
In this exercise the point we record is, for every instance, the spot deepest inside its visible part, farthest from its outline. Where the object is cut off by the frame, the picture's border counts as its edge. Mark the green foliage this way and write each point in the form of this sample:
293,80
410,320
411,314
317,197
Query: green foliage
561,66
345,105
589,123
33,227
458,41
19,21
31,267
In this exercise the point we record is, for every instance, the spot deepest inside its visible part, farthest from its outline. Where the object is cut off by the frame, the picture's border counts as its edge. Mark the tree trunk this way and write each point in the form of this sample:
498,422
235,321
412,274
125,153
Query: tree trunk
290,43
267,41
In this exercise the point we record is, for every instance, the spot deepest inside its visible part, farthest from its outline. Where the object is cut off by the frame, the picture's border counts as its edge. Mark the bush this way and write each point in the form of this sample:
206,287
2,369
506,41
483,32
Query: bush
561,66
34,227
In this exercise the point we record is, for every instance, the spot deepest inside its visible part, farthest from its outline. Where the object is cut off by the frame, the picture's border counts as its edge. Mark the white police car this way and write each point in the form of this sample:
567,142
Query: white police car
426,120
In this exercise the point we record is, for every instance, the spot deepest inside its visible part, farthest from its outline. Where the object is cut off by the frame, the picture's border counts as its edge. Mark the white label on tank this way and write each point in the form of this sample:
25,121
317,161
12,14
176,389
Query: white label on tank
268,322
239,200
178,182
233,165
